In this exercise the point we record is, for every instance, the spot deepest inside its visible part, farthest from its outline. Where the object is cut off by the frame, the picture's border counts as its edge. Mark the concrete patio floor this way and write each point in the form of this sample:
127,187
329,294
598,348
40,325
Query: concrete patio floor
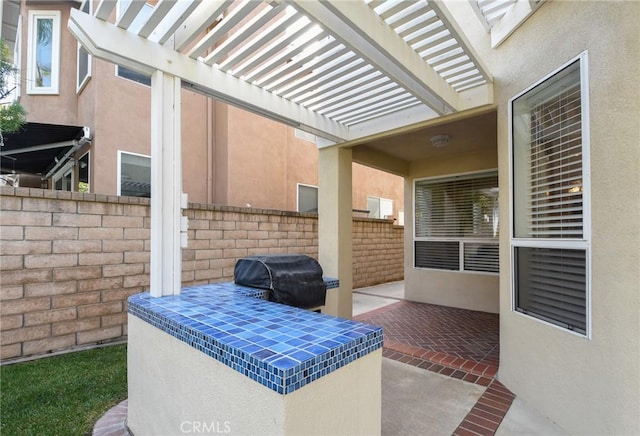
417,401
416,398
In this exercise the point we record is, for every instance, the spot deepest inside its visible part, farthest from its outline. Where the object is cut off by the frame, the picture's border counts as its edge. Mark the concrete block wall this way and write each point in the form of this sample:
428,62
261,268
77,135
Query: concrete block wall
69,261
378,252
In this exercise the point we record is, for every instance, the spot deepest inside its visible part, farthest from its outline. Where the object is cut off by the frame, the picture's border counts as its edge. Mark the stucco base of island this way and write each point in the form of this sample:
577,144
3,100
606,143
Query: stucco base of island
176,389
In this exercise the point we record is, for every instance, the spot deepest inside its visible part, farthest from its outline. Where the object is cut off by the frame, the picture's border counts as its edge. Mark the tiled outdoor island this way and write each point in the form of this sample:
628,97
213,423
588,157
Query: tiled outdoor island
221,355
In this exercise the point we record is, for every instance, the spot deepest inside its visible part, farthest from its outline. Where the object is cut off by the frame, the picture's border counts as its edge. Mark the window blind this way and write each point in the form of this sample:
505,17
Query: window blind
556,167
553,148
456,223
480,256
457,207
552,285
437,254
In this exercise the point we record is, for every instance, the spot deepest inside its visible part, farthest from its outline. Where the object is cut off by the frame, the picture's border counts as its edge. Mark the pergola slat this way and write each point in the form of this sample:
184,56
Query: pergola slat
248,30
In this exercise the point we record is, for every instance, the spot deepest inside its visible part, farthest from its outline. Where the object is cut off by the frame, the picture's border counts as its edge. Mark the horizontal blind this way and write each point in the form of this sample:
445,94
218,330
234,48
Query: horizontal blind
457,207
552,285
437,255
481,256
555,196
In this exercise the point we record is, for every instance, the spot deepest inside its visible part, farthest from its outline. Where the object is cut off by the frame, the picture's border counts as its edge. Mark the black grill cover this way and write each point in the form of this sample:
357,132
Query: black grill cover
292,279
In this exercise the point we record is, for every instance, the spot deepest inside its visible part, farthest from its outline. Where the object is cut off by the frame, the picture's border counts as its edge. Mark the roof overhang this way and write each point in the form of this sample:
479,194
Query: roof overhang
341,70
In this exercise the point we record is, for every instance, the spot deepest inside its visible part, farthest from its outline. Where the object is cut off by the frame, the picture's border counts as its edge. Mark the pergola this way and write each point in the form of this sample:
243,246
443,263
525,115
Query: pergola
343,70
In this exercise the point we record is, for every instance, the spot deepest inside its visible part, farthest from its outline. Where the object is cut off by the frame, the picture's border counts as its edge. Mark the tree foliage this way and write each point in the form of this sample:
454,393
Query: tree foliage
12,114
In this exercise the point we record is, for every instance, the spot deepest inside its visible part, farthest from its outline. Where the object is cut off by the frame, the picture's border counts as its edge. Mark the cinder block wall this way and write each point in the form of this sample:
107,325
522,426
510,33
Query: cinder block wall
69,261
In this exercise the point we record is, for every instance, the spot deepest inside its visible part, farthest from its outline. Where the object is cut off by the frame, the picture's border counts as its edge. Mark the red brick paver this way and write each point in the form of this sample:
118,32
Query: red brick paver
461,339
487,414
456,343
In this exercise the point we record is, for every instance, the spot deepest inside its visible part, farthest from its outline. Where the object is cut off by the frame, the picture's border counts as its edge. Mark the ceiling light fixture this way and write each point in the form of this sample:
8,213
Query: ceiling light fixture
439,140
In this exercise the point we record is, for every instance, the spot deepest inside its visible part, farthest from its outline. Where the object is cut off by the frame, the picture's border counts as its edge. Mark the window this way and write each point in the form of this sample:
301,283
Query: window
63,179
43,62
379,207
83,174
83,71
307,198
134,175
456,223
550,205
135,27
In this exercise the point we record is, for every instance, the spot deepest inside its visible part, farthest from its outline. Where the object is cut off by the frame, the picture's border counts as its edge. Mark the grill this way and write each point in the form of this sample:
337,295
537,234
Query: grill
292,279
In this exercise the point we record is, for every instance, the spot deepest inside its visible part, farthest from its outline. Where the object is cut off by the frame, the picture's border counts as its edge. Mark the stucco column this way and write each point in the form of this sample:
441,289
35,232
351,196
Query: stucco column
166,185
335,226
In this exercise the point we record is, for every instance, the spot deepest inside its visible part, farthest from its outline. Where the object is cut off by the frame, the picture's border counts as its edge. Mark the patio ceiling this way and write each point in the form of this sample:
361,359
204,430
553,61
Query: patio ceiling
341,70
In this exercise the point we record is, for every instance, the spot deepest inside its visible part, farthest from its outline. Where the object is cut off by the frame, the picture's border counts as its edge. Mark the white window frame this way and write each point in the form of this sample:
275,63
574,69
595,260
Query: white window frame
81,82
461,241
13,81
380,200
119,168
34,16
556,243
298,185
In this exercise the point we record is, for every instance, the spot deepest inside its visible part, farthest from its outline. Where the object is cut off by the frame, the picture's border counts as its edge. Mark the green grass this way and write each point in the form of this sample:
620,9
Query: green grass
62,395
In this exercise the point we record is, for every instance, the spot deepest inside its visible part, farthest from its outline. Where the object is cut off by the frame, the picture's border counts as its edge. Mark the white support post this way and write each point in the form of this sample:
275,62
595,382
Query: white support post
166,185
335,226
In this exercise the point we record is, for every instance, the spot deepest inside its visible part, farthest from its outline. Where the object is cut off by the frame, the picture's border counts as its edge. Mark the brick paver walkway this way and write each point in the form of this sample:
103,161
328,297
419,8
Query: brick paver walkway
457,343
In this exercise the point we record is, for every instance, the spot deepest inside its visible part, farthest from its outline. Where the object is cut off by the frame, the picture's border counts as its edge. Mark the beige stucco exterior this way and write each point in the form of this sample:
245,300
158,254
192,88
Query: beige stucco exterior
200,391
474,291
587,385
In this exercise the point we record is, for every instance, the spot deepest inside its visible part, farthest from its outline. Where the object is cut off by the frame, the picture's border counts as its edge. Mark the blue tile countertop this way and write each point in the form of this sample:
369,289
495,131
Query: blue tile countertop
281,347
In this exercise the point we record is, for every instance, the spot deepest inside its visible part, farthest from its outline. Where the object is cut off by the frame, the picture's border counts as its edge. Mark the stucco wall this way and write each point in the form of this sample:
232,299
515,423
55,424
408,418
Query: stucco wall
586,385
69,261
190,389
457,289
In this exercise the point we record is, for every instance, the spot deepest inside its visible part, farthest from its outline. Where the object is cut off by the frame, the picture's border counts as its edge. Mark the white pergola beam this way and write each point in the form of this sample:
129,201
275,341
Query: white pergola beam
393,121
223,27
198,21
105,41
364,32
174,19
233,40
129,14
284,28
442,11
159,12
303,43
104,9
